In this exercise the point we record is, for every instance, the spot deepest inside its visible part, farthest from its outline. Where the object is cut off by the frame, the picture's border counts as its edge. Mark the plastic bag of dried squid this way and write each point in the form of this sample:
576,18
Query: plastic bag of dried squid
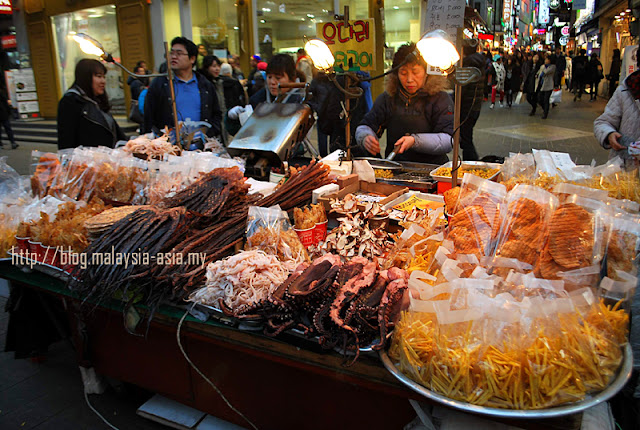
622,253
575,237
45,166
269,230
475,225
526,221
79,180
165,180
123,180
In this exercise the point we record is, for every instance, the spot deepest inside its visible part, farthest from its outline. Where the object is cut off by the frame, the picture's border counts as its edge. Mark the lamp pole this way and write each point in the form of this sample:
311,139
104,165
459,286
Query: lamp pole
456,115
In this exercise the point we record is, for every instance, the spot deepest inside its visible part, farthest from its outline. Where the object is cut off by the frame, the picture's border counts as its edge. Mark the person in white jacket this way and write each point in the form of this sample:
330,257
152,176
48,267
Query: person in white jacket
620,121
498,76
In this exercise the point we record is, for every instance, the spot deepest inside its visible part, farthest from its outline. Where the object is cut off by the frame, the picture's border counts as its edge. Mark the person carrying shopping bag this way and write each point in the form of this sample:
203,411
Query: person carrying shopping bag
544,84
498,75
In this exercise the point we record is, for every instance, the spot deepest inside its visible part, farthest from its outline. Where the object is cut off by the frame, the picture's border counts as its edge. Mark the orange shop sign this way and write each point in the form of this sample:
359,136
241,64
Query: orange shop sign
352,44
5,7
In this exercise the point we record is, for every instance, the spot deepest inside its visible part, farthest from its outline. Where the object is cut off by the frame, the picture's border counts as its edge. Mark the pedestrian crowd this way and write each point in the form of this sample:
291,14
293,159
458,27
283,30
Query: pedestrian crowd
415,109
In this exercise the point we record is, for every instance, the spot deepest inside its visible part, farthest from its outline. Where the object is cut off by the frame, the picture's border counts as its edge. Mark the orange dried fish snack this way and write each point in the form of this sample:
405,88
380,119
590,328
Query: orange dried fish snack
48,166
561,360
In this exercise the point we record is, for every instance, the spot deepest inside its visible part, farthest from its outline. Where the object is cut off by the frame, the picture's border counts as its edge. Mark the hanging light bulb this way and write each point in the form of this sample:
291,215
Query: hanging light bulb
88,44
437,51
320,54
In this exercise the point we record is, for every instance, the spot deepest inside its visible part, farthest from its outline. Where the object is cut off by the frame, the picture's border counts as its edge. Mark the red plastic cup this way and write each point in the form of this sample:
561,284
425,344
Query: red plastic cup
320,232
306,236
35,249
23,243
51,255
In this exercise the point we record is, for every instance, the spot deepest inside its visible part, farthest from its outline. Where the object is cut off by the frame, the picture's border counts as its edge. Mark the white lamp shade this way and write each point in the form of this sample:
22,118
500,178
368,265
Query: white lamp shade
437,51
88,45
320,54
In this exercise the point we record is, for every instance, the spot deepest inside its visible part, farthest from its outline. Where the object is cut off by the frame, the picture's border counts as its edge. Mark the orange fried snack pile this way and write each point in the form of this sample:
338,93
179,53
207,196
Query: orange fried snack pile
559,360
570,242
475,223
7,235
524,231
67,230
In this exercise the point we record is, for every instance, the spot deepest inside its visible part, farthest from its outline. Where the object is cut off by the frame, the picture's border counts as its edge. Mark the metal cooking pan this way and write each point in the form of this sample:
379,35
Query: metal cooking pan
382,163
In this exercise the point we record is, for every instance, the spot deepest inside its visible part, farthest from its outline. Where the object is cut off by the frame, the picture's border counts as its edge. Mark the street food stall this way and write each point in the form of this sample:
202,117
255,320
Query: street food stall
506,297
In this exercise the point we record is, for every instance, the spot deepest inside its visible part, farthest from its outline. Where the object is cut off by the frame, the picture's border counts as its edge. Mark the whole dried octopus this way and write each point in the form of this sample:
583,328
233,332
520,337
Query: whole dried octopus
346,305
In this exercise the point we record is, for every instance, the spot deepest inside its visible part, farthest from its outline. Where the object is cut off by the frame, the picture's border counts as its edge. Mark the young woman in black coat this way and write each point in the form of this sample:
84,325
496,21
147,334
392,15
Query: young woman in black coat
83,112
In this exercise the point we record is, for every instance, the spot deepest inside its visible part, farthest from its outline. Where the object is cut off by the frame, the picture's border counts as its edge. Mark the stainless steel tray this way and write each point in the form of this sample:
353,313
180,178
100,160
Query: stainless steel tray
556,411
478,164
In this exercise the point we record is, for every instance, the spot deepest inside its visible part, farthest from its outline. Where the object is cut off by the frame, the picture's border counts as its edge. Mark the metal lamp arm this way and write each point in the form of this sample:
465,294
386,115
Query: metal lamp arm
109,59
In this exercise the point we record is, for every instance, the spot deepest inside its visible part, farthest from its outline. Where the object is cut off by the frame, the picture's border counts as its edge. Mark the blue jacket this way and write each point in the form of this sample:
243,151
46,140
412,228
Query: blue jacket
157,105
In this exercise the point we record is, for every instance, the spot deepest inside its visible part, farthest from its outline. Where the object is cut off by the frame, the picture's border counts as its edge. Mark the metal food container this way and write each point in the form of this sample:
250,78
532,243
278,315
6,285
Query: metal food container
474,164
272,130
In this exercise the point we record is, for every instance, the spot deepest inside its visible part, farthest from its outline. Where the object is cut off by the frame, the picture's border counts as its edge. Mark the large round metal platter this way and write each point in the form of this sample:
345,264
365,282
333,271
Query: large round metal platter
381,163
556,411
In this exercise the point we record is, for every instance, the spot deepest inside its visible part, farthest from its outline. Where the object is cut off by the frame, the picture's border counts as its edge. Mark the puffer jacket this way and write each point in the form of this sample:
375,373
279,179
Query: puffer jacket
394,107
622,114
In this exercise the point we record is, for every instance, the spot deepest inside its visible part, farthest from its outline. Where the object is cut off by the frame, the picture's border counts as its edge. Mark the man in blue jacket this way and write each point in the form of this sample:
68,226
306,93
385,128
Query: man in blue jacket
195,96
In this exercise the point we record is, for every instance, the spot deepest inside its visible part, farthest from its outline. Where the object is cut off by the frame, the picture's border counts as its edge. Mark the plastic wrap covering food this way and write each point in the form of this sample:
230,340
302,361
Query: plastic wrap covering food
526,221
64,228
269,230
518,165
122,180
45,166
474,225
575,238
622,246
243,279
10,217
521,343
565,190
166,179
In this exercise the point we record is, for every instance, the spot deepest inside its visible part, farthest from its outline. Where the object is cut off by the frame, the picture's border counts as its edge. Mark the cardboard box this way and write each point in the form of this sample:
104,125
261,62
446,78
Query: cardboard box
391,191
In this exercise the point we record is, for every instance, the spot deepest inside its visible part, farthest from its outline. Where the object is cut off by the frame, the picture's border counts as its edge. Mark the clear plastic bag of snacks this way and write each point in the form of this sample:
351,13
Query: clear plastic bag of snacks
622,246
528,210
575,239
269,230
475,225
45,166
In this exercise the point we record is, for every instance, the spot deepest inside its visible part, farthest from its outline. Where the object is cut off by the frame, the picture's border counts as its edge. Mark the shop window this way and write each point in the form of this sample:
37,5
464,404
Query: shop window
402,23
101,24
215,25
171,9
282,25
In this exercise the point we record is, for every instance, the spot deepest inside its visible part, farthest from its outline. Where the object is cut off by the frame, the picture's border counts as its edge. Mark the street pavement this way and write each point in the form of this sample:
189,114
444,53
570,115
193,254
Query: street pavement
49,395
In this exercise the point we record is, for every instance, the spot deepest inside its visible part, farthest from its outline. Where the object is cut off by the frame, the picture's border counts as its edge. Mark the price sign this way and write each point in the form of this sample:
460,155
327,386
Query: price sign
447,15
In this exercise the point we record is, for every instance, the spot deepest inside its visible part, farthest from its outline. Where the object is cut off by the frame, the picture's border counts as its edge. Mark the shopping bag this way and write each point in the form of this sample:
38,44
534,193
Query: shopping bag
134,113
556,96
519,97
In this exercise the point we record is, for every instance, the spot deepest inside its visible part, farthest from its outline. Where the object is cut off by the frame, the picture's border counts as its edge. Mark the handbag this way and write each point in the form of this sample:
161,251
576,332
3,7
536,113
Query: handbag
134,113
519,98
556,96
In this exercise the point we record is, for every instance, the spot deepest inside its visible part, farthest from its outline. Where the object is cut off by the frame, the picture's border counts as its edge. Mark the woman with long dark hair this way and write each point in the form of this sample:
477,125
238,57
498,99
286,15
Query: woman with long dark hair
83,112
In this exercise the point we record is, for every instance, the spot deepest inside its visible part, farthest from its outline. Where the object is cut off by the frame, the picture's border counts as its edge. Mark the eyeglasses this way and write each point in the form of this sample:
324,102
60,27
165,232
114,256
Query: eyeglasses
173,53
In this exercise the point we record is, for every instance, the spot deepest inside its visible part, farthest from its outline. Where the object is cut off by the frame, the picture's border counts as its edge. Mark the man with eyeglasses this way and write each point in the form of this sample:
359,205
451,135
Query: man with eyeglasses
195,96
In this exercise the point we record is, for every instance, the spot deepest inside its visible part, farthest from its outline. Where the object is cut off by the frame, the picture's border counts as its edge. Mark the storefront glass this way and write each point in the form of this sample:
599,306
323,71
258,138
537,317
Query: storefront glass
283,25
101,24
215,25
402,23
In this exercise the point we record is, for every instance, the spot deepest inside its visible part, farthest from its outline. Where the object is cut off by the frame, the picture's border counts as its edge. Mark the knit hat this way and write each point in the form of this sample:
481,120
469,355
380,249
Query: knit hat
496,57
262,66
257,58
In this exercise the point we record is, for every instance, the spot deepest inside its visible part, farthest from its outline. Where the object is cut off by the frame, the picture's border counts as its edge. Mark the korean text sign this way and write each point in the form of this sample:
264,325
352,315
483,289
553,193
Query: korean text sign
352,44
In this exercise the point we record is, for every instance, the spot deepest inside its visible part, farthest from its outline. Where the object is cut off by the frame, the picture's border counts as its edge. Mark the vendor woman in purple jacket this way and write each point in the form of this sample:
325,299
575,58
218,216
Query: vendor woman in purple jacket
416,112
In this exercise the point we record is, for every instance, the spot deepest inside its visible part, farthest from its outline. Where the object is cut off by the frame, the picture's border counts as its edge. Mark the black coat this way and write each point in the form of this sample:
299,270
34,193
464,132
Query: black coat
472,94
593,72
157,105
5,109
513,83
233,92
137,85
82,123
